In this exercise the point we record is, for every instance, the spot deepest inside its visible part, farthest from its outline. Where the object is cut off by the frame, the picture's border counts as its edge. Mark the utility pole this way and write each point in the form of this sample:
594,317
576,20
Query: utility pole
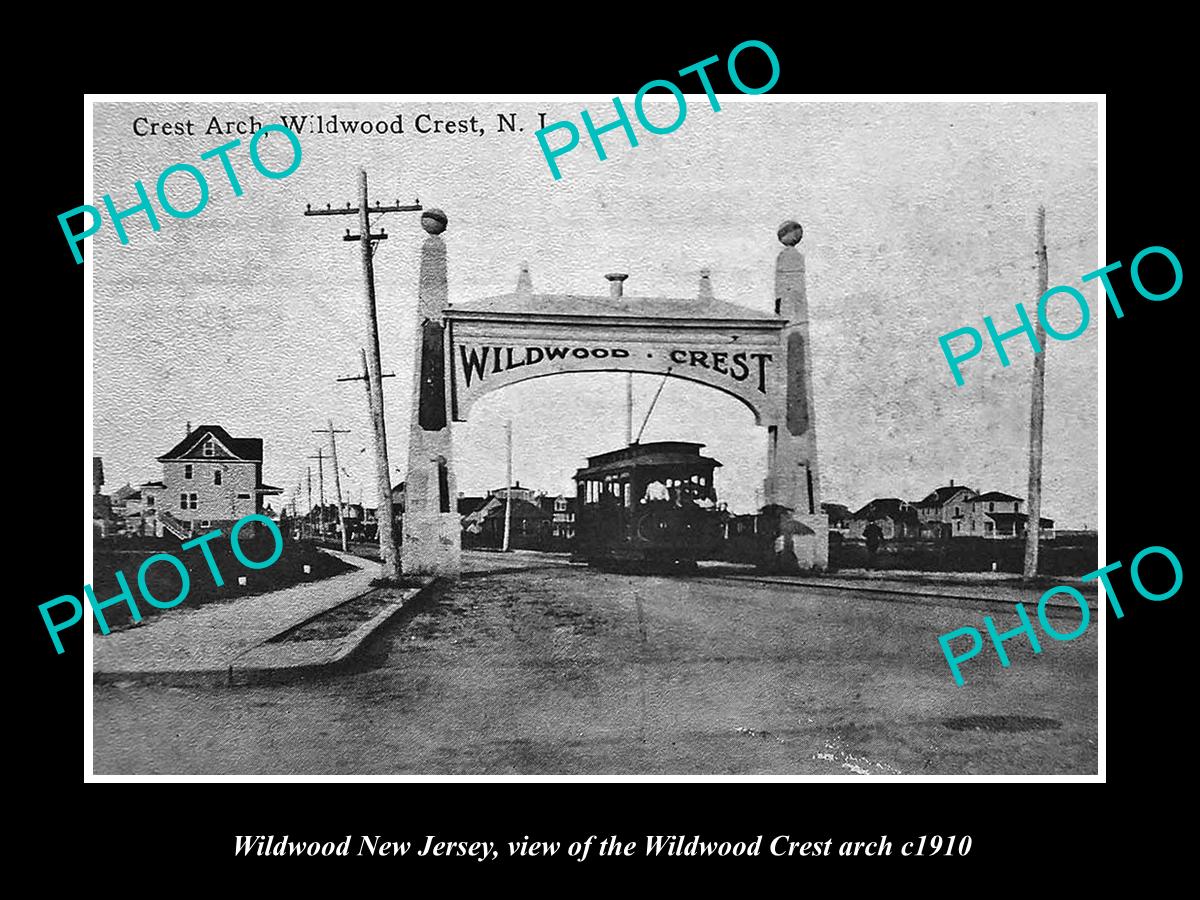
320,458
387,542
508,489
337,478
364,377
1037,413
309,515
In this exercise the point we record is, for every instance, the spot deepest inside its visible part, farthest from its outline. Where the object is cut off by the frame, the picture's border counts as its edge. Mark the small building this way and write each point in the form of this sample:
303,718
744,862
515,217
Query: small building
210,480
839,517
518,493
897,519
484,527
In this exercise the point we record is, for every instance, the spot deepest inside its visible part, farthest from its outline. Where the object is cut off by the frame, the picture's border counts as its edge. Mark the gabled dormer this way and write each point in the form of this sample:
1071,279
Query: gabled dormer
212,442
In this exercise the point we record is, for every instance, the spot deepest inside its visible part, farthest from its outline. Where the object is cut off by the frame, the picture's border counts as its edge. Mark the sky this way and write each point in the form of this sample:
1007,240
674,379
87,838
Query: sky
918,219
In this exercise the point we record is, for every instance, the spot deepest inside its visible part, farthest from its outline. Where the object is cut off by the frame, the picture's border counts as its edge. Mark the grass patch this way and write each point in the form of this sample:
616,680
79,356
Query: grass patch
164,583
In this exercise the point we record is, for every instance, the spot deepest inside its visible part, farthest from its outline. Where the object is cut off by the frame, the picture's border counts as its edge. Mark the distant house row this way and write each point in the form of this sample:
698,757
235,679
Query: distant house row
953,511
537,518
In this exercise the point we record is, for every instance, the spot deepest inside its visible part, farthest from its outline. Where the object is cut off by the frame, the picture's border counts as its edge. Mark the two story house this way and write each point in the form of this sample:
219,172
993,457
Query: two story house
945,512
562,512
998,515
210,480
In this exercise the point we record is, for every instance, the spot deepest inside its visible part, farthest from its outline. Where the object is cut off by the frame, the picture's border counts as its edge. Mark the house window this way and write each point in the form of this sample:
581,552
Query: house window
991,507
187,471
957,511
149,501
191,501
209,450
243,496
183,500
205,523
217,477
958,526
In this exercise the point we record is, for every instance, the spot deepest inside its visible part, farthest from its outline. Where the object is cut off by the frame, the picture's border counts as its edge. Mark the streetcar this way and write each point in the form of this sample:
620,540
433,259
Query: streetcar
648,503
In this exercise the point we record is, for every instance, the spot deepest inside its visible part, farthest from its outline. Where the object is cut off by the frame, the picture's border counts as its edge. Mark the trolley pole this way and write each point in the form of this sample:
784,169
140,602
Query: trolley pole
628,409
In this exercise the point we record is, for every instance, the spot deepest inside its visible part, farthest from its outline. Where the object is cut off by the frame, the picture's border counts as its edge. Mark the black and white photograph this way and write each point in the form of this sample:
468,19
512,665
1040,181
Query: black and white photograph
514,437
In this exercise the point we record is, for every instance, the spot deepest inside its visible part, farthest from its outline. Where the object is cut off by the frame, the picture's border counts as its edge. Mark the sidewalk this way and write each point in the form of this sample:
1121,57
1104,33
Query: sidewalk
204,642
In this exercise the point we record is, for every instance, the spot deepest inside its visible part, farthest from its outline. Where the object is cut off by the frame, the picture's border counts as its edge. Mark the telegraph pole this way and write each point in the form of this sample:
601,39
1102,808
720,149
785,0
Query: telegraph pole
1037,413
508,489
309,516
387,542
364,377
337,478
320,458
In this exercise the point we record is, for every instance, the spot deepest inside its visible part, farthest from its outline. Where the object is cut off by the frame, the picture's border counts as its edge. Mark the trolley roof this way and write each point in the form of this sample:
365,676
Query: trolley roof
681,454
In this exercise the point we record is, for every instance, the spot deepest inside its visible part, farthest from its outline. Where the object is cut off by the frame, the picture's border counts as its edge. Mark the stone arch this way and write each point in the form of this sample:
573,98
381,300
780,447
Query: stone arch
472,349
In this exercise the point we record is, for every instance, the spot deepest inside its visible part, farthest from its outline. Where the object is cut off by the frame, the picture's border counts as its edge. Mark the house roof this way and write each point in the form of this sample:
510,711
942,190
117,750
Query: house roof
467,505
996,495
125,492
152,484
248,449
887,508
548,501
942,495
521,509
837,509
268,489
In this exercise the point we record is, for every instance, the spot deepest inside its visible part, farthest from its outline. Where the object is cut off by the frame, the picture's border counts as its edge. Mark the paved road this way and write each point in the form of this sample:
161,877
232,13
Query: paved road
535,667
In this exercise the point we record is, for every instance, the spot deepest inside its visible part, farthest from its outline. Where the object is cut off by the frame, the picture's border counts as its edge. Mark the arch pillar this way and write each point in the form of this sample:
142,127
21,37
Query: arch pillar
432,542
793,479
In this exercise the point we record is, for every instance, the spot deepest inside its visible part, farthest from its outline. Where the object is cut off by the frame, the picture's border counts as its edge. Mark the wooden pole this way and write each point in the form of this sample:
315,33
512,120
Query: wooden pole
1037,413
337,478
508,489
337,485
387,541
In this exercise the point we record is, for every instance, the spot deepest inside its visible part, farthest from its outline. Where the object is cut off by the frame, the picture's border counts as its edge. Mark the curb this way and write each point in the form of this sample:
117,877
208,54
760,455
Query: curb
271,662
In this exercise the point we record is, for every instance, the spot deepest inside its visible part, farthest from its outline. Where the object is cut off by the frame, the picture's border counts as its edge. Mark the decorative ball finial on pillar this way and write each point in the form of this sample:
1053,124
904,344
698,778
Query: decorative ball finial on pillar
790,233
434,221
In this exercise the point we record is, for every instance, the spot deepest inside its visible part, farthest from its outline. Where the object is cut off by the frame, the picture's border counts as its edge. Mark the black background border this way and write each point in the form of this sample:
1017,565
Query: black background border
1146,495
